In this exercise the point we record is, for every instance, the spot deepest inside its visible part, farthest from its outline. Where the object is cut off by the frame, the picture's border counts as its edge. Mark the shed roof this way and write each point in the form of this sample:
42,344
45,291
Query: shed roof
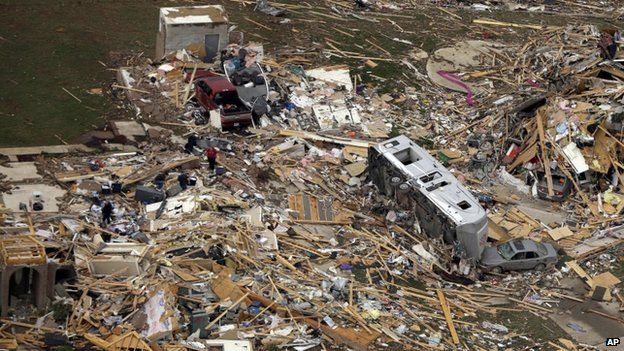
193,14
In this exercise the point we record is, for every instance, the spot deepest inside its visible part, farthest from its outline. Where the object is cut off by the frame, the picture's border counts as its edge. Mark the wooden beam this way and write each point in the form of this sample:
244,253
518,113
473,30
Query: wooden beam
509,24
188,86
545,159
447,316
335,140
214,321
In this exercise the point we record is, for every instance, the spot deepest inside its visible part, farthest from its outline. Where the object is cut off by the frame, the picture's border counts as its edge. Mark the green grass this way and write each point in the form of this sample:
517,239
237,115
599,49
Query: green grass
51,45
539,330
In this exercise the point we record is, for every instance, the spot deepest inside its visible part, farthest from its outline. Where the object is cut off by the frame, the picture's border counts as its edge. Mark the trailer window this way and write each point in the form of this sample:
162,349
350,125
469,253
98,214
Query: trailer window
430,177
464,205
391,144
407,157
437,185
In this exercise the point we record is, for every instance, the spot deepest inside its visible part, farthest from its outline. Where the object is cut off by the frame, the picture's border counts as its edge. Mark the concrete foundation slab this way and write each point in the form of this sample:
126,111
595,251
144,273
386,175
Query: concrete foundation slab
589,328
128,129
49,149
20,171
24,193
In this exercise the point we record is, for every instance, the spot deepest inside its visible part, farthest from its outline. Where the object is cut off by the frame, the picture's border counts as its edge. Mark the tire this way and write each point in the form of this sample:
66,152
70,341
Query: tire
197,114
540,267
496,270
189,107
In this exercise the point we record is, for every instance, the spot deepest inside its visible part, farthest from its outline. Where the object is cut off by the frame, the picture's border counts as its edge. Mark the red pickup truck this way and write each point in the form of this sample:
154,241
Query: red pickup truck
217,93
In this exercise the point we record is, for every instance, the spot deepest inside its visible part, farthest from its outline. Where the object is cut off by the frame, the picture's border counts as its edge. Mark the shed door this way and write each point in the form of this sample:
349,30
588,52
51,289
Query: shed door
212,47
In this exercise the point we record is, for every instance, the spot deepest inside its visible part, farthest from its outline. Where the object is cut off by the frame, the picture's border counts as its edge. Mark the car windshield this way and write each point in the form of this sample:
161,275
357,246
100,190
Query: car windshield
505,250
542,249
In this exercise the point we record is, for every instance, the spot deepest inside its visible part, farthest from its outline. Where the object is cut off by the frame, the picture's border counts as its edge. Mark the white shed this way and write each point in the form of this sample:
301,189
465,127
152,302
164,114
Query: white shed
203,27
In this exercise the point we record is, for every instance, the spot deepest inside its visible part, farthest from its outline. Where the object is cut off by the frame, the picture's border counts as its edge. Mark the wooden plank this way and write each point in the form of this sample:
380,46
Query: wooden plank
515,25
300,206
335,140
581,273
497,232
31,226
314,209
292,202
545,159
590,247
526,155
72,176
447,316
188,86
153,171
560,233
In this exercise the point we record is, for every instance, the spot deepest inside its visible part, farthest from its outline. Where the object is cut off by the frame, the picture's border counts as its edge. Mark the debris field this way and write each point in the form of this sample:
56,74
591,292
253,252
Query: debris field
288,198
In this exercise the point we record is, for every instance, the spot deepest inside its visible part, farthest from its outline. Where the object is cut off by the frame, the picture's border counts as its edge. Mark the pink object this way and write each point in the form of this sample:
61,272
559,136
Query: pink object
455,80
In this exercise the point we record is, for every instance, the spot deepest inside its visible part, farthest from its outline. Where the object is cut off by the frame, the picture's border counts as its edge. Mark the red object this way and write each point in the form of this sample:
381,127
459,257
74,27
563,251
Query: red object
511,154
211,152
217,93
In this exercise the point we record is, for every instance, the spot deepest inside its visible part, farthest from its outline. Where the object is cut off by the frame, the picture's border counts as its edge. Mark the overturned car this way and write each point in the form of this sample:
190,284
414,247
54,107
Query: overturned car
402,169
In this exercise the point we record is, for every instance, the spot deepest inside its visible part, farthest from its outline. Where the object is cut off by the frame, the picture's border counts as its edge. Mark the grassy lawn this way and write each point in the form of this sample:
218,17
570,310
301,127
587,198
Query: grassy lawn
539,330
50,45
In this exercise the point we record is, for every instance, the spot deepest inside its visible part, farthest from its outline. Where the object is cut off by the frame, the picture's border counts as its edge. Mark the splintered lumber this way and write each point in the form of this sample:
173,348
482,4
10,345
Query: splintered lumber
509,24
581,273
129,341
224,288
31,326
129,88
531,305
258,24
560,233
153,171
214,321
447,316
72,95
188,86
563,296
335,140
593,246
22,250
602,314
8,343
357,340
72,176
311,209
545,159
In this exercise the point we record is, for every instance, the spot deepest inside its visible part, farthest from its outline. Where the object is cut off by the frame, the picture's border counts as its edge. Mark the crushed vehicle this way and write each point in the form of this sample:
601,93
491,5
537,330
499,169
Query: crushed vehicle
562,187
402,169
518,255
214,92
246,74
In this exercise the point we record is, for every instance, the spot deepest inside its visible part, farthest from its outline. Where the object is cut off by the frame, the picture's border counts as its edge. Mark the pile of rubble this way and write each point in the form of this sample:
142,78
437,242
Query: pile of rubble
316,227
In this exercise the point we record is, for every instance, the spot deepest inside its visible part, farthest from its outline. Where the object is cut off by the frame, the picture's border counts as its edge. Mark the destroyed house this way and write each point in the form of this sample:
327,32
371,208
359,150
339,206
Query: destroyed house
442,205
203,29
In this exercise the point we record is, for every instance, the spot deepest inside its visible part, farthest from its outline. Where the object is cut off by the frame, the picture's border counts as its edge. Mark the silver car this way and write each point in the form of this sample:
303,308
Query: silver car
517,255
